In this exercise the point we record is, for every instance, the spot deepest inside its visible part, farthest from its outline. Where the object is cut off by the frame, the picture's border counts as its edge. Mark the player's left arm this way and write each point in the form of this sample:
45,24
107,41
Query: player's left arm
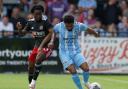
46,39
92,32
49,27
55,32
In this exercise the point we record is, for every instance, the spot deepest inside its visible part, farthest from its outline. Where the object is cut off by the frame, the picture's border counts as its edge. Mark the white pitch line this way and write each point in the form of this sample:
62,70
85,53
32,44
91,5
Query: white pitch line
114,80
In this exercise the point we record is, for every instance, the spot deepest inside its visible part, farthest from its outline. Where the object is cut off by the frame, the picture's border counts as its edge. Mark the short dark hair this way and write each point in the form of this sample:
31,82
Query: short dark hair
37,7
68,19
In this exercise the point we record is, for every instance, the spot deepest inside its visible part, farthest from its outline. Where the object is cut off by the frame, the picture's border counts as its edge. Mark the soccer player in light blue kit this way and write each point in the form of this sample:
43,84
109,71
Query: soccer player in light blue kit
69,48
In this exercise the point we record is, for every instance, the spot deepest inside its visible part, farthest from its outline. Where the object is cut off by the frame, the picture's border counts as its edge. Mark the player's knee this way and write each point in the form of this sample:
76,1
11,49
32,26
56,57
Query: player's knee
40,57
38,62
31,68
85,67
72,69
73,72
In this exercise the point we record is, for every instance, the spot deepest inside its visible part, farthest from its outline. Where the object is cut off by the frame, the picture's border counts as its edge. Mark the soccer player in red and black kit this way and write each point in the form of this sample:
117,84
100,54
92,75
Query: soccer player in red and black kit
42,31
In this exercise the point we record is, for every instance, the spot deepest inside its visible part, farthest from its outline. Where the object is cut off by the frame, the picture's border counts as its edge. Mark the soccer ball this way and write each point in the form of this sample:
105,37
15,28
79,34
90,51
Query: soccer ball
95,85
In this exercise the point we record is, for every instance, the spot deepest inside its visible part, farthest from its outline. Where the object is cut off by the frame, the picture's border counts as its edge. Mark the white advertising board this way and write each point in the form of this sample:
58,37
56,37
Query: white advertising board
106,55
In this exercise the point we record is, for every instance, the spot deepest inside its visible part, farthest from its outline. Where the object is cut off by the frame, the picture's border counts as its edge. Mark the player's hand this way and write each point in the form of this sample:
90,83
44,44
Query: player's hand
39,49
50,45
19,26
33,34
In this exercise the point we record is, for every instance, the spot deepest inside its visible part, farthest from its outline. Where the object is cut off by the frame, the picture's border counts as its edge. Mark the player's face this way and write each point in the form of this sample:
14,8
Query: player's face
38,15
69,26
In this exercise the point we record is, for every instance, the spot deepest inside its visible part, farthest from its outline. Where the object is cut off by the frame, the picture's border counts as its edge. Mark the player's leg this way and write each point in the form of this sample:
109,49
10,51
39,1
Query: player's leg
85,69
31,64
71,68
68,65
41,56
81,62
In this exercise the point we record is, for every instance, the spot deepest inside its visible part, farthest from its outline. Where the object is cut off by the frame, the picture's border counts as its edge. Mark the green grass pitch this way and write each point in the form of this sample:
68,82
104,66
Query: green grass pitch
60,81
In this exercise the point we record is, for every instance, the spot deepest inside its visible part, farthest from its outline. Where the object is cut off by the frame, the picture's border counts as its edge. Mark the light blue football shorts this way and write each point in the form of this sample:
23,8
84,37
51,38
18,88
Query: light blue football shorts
69,58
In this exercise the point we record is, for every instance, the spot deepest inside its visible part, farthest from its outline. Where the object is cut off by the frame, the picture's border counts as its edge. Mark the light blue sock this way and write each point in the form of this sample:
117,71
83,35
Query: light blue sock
86,76
76,80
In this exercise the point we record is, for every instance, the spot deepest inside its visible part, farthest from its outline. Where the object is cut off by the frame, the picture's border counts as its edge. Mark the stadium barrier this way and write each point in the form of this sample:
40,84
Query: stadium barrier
104,55
14,54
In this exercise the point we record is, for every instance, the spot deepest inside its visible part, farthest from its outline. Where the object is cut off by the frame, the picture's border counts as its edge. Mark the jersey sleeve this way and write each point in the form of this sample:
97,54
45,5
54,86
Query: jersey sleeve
56,28
48,25
82,27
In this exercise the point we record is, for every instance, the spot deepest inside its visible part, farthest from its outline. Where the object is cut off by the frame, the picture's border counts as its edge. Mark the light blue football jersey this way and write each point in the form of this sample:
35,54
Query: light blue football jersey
68,40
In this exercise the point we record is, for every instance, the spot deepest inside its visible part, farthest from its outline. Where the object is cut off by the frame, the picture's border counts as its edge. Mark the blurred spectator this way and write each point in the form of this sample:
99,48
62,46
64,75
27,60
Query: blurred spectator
104,14
123,27
66,1
85,5
57,9
124,6
24,7
72,1
111,12
6,28
37,2
100,9
29,16
112,30
1,4
81,17
4,11
100,30
90,20
71,10
77,15
15,17
47,3
55,21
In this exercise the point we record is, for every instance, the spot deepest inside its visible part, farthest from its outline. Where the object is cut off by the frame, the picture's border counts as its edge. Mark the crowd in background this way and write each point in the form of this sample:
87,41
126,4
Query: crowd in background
107,17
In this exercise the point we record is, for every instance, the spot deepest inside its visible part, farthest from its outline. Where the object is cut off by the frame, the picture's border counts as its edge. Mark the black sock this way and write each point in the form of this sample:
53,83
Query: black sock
30,76
37,70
